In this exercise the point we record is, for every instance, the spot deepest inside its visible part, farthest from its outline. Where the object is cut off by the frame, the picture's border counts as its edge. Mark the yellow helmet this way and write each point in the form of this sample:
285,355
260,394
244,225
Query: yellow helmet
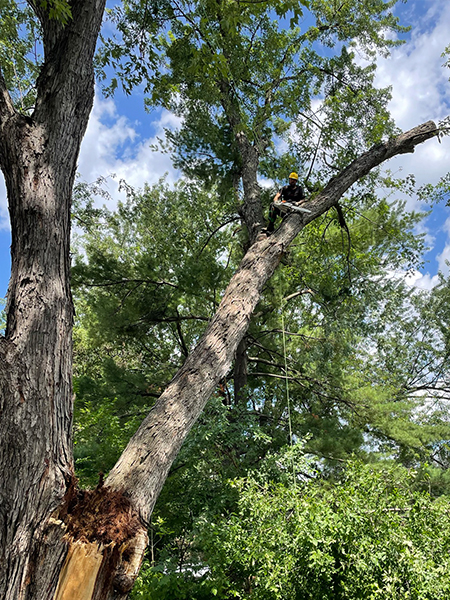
293,176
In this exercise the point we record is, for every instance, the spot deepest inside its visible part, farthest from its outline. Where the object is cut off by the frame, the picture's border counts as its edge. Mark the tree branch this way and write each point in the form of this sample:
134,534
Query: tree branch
127,281
7,110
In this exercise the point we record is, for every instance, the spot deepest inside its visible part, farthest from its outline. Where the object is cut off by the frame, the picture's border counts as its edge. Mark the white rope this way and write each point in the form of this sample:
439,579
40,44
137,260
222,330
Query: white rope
288,401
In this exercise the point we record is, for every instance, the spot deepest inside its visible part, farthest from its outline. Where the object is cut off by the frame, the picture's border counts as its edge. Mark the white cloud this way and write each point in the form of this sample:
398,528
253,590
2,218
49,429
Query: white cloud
4,217
426,281
420,87
422,281
112,145
266,183
414,70
421,92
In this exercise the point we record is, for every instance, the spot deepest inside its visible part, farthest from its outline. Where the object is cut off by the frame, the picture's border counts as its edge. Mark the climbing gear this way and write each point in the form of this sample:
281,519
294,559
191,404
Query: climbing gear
286,207
288,403
293,176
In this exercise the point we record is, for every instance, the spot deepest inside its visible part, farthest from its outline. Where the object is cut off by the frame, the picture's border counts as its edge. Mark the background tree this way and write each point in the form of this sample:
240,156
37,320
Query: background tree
234,110
361,351
371,534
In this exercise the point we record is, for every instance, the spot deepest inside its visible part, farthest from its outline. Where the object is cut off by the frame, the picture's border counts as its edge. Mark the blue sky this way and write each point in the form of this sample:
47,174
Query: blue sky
120,132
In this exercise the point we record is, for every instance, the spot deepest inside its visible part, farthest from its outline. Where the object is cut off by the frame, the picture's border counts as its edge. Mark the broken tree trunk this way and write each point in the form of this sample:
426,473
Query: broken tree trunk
38,156
55,541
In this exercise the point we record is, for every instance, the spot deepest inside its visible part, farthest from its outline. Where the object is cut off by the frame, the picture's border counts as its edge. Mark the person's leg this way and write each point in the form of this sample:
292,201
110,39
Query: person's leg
273,214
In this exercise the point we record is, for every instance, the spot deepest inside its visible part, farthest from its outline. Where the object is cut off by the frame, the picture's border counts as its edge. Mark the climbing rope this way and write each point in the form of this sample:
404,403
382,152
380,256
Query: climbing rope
288,402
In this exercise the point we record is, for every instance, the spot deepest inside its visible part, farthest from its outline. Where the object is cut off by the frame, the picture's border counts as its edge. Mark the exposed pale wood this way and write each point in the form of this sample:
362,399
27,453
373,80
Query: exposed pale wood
79,573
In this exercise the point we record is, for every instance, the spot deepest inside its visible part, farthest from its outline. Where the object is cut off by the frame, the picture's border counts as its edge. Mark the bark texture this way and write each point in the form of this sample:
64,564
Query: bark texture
249,153
38,156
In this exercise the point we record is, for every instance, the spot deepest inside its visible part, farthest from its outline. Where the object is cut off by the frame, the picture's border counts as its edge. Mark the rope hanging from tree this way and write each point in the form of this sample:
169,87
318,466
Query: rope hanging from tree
288,400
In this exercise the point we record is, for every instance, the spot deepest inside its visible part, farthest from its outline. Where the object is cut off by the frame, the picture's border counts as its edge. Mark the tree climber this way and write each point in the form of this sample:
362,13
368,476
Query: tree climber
292,194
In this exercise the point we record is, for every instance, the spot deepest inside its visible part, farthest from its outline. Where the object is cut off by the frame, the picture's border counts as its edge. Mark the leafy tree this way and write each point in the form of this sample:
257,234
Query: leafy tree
370,534
234,110
145,292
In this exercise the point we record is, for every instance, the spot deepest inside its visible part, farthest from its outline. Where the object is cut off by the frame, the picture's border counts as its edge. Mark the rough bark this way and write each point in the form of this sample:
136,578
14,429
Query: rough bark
38,156
143,466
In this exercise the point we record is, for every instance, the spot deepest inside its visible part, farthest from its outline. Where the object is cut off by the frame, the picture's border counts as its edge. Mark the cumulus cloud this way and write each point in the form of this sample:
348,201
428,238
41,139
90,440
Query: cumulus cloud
420,86
421,92
420,83
114,146
422,281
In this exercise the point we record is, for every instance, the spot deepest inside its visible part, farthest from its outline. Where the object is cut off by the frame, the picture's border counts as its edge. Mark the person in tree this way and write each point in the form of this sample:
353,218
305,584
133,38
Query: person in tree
292,193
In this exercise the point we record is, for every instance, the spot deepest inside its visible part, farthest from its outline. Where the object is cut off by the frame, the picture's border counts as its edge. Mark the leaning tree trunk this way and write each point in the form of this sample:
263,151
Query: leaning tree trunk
142,469
38,156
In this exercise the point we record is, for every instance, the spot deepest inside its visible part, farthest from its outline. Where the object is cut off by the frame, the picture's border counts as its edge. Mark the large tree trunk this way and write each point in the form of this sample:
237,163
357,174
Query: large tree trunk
57,542
38,156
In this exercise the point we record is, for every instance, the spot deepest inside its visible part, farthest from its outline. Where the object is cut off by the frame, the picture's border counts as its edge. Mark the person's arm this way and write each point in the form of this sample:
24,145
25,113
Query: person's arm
277,196
301,196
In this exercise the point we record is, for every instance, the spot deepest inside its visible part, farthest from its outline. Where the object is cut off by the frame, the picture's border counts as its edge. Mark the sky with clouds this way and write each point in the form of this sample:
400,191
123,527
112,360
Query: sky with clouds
120,133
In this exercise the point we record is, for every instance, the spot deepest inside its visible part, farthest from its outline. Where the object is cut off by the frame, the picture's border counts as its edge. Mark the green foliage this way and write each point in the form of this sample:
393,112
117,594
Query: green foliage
147,278
369,535
432,194
446,54
362,348
19,58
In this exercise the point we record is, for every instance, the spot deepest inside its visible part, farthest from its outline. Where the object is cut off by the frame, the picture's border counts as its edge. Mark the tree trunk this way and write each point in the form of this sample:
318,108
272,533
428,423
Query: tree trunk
252,208
240,371
38,156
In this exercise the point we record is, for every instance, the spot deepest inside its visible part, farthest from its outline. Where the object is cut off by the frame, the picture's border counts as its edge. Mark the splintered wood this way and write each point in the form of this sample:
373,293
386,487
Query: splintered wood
79,574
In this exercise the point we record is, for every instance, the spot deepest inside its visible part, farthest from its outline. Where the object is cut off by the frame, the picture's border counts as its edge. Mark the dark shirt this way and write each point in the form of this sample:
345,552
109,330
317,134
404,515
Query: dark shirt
292,194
